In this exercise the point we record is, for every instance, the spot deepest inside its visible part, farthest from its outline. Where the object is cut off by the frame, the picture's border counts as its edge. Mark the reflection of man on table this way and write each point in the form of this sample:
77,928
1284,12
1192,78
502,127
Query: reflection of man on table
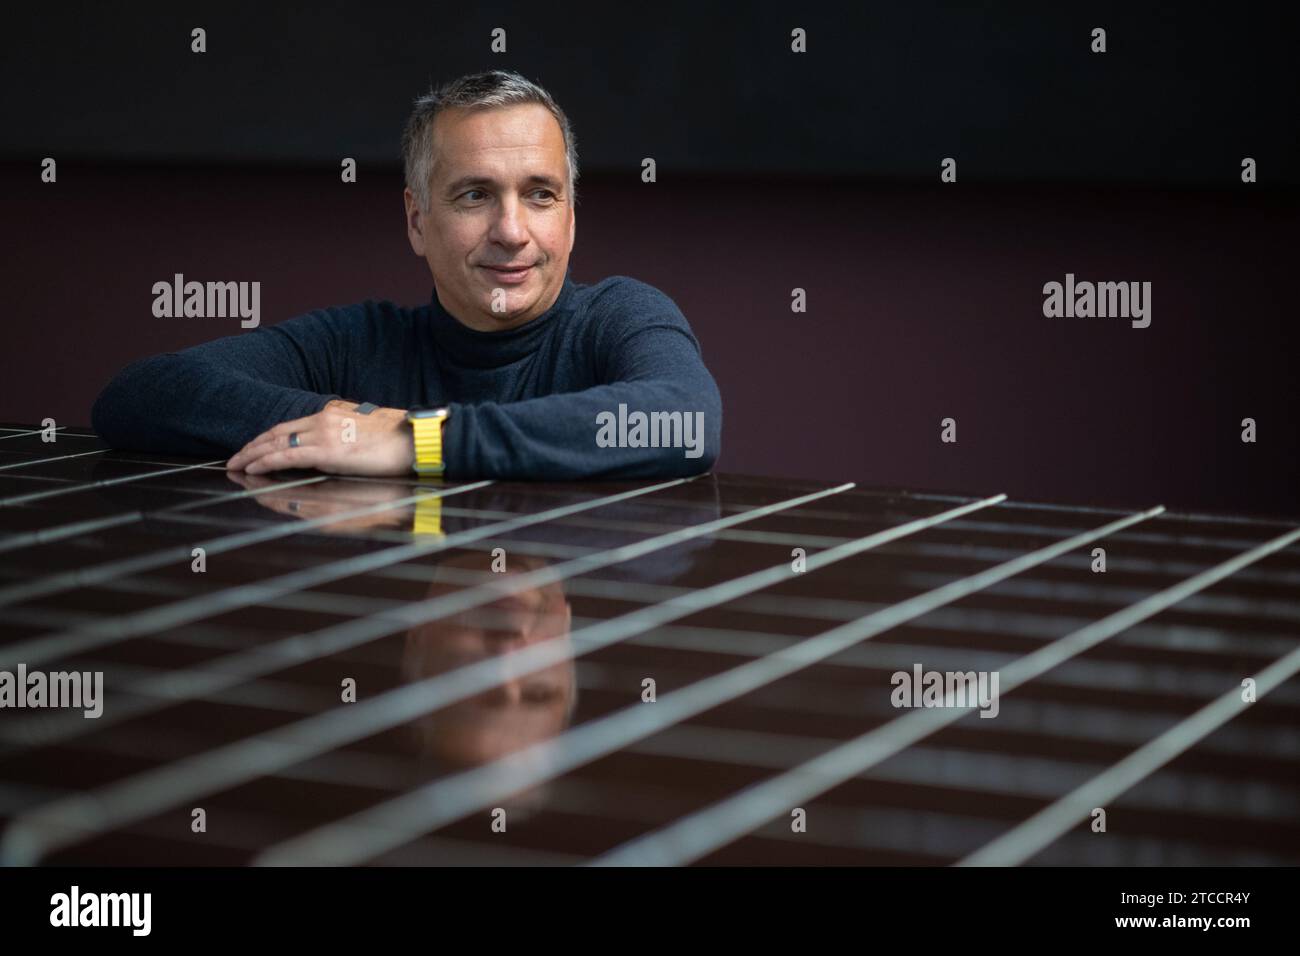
525,707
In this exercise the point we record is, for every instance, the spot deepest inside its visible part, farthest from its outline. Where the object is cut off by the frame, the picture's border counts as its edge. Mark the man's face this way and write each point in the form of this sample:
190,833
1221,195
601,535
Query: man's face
525,705
498,196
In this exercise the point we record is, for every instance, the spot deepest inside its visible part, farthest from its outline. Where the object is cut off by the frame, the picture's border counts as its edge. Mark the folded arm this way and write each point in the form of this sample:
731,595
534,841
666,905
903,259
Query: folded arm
215,397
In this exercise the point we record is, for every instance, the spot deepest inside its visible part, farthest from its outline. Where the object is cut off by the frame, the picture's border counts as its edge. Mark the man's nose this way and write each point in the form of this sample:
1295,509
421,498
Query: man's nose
507,693
510,225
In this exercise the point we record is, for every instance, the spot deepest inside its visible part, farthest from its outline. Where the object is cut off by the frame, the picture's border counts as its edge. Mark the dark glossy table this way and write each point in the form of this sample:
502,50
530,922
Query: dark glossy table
307,669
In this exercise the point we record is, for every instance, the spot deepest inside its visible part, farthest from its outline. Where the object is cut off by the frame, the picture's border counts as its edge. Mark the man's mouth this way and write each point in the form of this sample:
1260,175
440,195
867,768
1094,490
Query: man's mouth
509,273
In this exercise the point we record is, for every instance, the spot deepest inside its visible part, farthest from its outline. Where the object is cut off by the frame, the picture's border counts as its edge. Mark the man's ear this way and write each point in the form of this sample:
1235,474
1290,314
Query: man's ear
414,223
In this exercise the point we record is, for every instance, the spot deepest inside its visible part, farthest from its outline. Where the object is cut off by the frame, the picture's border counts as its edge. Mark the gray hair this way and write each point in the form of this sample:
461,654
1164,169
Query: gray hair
487,90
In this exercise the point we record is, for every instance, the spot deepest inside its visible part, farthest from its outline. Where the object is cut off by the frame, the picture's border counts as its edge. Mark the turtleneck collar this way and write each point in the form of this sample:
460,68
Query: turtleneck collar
470,347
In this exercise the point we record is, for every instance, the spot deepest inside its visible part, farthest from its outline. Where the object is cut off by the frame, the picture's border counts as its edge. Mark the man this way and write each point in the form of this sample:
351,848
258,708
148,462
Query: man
511,371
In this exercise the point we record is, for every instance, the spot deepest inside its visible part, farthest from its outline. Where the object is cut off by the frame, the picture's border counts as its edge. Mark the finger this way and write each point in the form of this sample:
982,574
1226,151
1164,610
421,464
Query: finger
266,445
270,447
301,457
280,432
252,454
254,449
249,451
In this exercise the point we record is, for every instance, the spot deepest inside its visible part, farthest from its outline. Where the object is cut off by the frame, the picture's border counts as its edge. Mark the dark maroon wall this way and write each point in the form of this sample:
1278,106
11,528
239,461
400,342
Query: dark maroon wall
924,303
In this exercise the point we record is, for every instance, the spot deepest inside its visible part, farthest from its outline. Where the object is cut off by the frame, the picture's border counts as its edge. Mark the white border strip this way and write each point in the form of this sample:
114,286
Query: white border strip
700,833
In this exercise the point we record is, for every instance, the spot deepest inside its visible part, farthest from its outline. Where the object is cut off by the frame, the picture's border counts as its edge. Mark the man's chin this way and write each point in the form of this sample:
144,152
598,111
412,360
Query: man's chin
510,315
508,304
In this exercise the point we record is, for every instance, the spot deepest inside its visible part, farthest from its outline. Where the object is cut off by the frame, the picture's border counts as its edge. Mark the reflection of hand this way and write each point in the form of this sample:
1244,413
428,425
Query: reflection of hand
335,439
328,498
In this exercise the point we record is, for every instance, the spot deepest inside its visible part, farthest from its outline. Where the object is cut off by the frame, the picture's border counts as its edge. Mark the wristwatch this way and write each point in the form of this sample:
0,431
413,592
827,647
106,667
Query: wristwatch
426,428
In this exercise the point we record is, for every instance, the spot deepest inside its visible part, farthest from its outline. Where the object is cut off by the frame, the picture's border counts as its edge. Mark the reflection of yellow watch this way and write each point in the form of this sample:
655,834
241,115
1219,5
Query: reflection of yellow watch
426,428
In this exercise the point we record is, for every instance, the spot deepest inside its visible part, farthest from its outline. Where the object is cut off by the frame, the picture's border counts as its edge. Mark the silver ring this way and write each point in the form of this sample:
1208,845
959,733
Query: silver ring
293,439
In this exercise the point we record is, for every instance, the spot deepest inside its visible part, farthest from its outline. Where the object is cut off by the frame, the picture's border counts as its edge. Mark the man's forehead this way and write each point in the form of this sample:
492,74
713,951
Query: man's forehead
466,137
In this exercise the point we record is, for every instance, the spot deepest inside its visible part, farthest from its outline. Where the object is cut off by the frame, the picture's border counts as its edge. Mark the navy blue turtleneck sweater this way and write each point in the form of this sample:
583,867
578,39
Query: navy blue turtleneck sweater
525,403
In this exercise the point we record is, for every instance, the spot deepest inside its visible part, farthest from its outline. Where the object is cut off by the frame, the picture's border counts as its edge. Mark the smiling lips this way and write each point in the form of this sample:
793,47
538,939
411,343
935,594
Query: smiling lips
510,274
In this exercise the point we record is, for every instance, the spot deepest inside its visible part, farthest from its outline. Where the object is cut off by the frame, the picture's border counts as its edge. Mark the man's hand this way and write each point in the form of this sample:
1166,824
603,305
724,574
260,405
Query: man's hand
337,440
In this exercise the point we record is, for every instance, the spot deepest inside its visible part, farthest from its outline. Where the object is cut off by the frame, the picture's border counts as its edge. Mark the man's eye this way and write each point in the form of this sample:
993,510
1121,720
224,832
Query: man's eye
469,194
540,695
545,193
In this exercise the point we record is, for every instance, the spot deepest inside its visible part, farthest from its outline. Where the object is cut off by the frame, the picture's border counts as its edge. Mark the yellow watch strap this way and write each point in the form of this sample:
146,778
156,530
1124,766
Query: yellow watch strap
428,516
428,445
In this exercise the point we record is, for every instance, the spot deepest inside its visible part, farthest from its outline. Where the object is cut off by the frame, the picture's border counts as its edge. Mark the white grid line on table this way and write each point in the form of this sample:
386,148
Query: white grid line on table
1200,516
1128,564
968,769
1090,592
211,497
94,574
46,461
160,618
387,825
21,433
180,685
210,466
1181,680
1170,538
1115,561
1052,822
241,832
346,768
720,641
699,834
1128,725
993,621
823,540
62,430
59,532
87,486
631,527
744,643
1198,793
48,828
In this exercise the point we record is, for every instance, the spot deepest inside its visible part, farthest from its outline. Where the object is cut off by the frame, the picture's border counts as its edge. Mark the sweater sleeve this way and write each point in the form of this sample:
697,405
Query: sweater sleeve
648,361
213,398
